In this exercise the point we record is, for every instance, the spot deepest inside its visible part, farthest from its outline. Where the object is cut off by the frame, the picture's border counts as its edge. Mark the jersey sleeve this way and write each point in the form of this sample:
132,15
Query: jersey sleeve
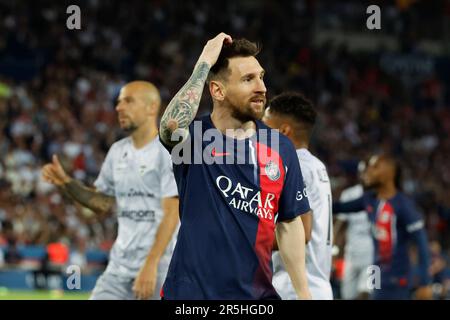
353,206
294,198
168,183
410,216
345,196
105,181
414,224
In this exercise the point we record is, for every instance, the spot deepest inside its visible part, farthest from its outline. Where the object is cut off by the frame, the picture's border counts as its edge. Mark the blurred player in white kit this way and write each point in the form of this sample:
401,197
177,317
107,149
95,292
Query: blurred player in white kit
294,116
137,177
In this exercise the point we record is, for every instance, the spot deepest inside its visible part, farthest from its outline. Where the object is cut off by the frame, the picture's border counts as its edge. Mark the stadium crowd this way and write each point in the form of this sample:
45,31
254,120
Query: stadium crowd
58,90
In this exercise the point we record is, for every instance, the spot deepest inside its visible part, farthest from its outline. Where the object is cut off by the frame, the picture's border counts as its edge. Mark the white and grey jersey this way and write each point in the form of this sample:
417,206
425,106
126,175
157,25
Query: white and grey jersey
359,244
318,249
138,179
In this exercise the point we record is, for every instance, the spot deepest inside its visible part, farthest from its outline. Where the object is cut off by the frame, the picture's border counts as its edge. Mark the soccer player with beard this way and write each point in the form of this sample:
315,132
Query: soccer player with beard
137,177
395,223
230,213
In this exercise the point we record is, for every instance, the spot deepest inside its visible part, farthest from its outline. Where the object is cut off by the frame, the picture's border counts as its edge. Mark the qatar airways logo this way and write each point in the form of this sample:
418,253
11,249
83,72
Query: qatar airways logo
247,199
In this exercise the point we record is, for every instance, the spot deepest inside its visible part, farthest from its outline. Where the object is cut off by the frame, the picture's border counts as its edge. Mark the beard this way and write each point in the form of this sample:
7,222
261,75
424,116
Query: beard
246,112
129,127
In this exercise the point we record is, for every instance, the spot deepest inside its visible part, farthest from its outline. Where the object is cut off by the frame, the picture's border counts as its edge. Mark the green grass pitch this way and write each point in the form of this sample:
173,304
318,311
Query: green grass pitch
7,294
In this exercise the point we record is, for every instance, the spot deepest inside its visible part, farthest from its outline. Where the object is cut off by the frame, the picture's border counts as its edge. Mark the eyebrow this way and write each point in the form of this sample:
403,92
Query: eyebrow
124,98
253,73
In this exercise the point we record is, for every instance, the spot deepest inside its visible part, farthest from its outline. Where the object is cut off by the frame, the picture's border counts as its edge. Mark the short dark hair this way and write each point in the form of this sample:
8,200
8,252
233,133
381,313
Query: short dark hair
238,48
296,106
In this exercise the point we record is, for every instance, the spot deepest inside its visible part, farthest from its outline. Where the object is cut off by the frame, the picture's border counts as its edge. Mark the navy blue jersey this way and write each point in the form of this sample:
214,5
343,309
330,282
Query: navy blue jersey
395,224
228,213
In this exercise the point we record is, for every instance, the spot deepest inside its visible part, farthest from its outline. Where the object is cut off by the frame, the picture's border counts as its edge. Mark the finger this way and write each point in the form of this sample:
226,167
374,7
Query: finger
48,170
47,177
147,290
57,163
142,291
151,292
227,39
223,37
146,295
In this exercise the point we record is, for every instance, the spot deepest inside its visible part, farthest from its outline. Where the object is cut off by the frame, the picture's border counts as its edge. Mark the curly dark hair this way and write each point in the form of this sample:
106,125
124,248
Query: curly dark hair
294,105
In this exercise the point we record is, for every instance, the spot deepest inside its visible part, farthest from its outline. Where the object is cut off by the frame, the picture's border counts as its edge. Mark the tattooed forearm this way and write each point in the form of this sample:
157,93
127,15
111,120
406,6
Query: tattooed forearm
89,198
183,107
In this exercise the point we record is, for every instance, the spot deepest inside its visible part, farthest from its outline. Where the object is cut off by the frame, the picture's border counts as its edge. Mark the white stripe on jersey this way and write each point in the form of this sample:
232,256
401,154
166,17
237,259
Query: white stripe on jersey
318,250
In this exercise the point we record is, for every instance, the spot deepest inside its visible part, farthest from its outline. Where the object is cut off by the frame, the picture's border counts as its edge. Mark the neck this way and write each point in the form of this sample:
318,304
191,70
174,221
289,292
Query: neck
386,191
223,120
300,141
144,134
301,145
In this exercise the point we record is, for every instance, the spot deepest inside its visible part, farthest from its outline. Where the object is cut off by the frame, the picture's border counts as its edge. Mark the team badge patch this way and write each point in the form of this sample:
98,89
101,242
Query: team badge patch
272,171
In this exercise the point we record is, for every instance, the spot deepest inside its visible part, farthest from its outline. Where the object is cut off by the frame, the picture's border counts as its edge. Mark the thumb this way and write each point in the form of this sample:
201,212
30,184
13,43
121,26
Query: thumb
56,162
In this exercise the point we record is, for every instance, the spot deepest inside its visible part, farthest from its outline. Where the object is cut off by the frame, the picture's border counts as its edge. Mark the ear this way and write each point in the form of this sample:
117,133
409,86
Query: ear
285,129
217,90
153,109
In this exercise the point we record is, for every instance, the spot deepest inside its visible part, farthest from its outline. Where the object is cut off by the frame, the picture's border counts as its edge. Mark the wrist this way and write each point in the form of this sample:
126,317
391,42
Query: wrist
66,180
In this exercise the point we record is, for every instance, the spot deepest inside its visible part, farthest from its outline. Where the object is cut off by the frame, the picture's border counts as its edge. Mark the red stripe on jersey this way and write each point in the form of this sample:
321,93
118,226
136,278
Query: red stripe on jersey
385,224
161,292
271,178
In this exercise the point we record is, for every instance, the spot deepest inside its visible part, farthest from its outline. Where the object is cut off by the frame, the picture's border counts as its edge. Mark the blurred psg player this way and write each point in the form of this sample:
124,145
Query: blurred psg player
395,223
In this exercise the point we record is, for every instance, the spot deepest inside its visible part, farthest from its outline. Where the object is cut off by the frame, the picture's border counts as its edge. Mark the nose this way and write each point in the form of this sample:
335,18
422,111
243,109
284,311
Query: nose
119,107
261,87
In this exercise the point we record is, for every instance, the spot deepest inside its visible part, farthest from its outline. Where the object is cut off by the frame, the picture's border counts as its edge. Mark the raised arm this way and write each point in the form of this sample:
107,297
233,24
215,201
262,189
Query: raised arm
88,197
181,111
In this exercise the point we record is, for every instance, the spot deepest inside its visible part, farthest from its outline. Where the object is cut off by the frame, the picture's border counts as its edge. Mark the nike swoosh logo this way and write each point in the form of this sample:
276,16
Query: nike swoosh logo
218,154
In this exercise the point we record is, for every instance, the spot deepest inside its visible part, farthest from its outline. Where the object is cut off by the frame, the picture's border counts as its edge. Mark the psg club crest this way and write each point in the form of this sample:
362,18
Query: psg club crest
272,171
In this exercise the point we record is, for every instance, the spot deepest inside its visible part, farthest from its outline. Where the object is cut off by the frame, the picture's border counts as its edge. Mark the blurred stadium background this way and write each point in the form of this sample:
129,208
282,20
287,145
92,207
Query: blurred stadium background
385,89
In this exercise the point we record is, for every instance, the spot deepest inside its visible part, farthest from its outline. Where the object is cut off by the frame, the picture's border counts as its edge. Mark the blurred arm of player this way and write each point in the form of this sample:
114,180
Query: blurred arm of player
291,232
424,291
184,105
415,226
340,236
145,282
54,173
353,206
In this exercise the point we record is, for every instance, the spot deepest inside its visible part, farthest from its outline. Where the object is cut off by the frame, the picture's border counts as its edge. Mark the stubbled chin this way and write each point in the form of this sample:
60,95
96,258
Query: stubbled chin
258,112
